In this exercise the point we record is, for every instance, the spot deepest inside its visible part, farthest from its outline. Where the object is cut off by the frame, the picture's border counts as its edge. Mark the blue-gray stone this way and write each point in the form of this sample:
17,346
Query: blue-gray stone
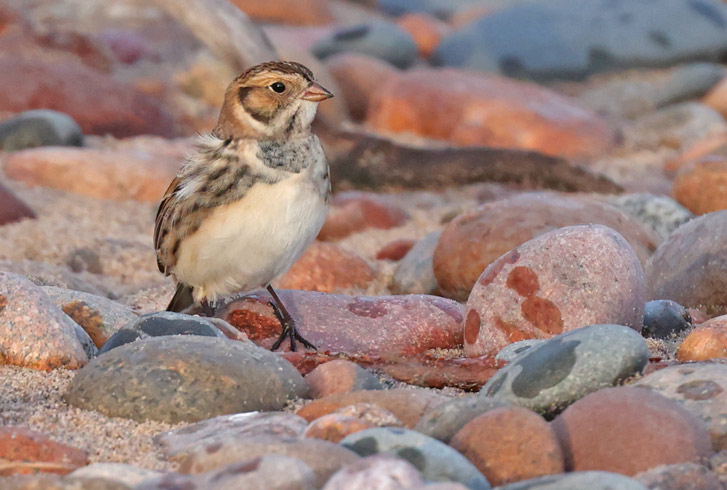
159,324
39,127
591,480
549,377
435,460
511,351
414,273
557,39
663,214
384,40
664,318
445,420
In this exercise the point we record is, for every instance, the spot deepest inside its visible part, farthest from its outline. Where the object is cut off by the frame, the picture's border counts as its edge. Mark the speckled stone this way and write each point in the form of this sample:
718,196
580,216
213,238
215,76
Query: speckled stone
663,214
684,476
161,324
551,376
184,378
380,471
665,318
41,127
444,421
435,460
510,352
701,388
592,480
414,274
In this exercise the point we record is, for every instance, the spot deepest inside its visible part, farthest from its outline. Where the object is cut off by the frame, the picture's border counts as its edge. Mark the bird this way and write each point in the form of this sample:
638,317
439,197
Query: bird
251,197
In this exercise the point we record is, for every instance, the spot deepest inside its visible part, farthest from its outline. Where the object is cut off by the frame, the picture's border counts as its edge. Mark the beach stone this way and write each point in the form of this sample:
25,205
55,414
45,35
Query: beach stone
327,268
395,250
663,214
414,274
561,370
445,420
12,208
549,40
129,46
390,327
707,341
289,12
697,185
510,444
100,317
442,9
716,98
323,457
25,451
592,480
355,212
379,471
684,476
334,427
435,460
359,76
482,110
664,319
690,267
473,240
425,30
370,414
121,473
159,324
184,379
407,405
340,376
510,352
180,442
529,292
40,127
36,334
82,259
380,39
97,102
628,430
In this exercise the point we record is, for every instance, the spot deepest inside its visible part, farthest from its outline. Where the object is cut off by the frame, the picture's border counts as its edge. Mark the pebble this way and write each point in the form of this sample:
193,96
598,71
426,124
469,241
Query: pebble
551,376
379,471
184,378
665,318
36,334
395,250
414,274
530,292
25,451
159,324
334,427
356,211
592,480
701,388
683,476
128,46
116,472
291,12
40,127
370,414
628,430
438,8
425,30
339,376
445,420
707,341
510,444
663,214
12,208
697,185
435,460
510,352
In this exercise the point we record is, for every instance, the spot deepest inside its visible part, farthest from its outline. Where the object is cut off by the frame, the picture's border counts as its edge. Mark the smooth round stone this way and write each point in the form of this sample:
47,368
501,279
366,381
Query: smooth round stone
510,352
549,377
592,480
161,324
683,476
445,420
184,379
41,127
340,376
378,471
414,274
117,472
707,341
435,460
663,214
12,209
664,318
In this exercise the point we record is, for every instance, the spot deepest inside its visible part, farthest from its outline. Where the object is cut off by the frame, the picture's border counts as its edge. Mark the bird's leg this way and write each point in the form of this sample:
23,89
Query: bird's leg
207,309
287,323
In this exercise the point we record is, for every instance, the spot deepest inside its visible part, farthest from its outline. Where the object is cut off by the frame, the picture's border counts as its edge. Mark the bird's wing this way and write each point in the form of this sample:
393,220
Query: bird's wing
160,222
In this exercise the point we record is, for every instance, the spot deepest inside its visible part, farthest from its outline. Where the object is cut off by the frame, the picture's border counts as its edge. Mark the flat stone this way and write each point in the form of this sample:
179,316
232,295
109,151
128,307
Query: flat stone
445,420
554,374
40,127
592,480
125,474
184,378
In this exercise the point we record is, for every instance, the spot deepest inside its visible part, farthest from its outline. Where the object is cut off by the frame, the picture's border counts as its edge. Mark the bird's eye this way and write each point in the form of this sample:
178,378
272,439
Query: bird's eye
278,87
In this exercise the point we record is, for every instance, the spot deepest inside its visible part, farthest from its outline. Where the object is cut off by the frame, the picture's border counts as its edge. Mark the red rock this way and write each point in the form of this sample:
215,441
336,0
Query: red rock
327,268
629,430
86,48
708,341
475,239
25,451
699,186
510,444
128,46
105,174
425,30
406,404
12,209
548,286
339,376
97,102
386,327
430,371
684,476
712,143
334,427
485,110
354,212
359,77
395,250
314,12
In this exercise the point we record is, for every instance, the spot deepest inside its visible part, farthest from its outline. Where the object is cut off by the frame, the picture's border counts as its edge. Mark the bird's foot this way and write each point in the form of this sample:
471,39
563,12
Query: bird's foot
289,331
207,309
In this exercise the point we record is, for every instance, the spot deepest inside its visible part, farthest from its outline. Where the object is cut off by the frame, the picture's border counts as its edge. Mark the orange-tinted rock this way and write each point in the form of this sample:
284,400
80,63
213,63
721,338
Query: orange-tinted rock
294,12
359,77
425,30
549,285
510,444
475,239
629,430
327,268
708,341
700,186
339,376
483,110
716,98
353,212
334,427
25,451
12,209
407,405
395,250
97,102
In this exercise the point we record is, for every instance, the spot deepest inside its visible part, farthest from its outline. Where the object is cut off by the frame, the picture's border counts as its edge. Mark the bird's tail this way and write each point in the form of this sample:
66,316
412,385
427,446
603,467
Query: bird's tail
182,298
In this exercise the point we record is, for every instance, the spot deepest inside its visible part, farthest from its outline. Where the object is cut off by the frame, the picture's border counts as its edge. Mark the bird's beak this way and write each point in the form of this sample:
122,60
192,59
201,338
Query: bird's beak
316,93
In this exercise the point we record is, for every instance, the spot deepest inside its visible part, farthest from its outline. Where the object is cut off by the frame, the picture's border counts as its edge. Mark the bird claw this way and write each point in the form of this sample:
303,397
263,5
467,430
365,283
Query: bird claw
289,331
